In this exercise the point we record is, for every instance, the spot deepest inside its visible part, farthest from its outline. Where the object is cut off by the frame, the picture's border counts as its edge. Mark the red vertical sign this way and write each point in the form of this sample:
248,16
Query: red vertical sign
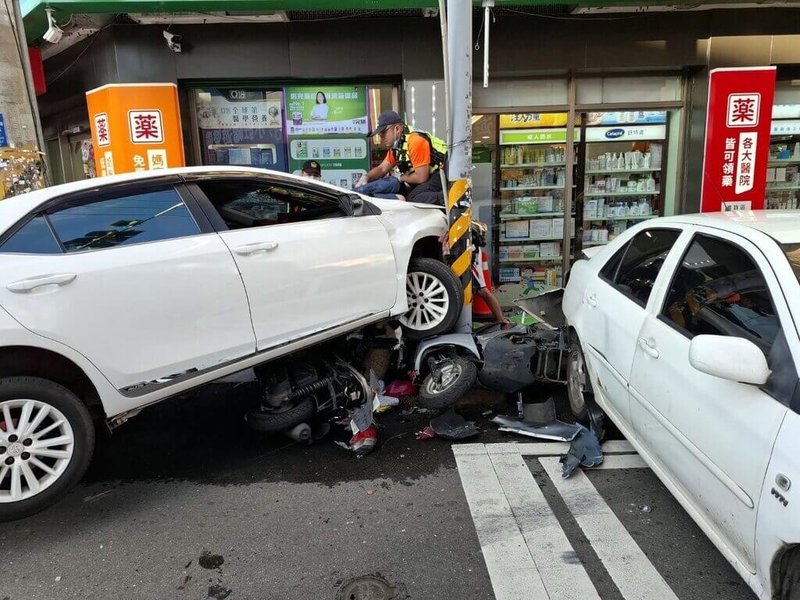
738,126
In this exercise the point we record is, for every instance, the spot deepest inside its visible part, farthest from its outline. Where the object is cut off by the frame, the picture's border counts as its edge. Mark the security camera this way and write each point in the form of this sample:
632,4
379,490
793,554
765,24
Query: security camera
54,33
173,41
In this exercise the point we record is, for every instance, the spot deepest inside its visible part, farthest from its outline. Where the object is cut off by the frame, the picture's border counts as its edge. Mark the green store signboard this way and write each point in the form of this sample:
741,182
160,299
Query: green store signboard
328,124
536,136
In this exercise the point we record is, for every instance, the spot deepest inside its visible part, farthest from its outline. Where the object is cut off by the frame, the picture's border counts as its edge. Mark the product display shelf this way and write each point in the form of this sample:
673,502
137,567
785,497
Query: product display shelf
535,165
552,238
590,244
628,218
523,188
781,188
531,260
617,194
777,162
622,171
515,216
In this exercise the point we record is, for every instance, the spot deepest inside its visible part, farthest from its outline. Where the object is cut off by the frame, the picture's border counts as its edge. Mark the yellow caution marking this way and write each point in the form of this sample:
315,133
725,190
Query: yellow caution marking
462,264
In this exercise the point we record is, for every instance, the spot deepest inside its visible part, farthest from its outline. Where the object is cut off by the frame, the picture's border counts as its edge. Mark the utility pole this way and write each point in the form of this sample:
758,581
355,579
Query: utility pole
459,197
20,136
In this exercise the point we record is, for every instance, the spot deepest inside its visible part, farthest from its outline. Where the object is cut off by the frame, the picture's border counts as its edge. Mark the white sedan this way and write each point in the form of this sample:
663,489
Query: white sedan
120,292
685,331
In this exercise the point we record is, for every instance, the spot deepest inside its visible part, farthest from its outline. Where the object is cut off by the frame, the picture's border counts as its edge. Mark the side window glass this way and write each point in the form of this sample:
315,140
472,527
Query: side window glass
35,237
719,290
123,220
640,262
256,204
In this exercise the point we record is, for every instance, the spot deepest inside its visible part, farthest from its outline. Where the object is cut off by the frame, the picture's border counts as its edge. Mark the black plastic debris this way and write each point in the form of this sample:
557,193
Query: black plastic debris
584,450
452,426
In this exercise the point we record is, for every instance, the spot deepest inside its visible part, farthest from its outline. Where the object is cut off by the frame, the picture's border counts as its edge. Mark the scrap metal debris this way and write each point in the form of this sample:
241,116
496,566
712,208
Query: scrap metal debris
555,430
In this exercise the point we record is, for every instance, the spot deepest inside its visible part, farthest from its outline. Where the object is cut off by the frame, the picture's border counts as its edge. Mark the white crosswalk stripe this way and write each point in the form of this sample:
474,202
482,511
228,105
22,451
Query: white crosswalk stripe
526,551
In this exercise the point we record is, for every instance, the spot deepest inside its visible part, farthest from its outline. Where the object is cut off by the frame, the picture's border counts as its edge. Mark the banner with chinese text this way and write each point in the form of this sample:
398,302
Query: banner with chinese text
738,124
241,126
135,127
328,124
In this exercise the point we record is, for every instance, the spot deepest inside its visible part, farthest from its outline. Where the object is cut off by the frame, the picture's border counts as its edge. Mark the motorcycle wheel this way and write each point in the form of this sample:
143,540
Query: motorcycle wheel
278,421
448,382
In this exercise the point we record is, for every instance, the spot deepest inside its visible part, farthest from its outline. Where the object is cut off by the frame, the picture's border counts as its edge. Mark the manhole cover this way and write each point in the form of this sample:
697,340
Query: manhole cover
368,587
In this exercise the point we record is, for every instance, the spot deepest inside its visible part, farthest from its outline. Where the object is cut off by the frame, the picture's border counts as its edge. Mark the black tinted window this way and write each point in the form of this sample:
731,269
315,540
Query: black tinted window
633,270
719,290
255,204
125,220
34,237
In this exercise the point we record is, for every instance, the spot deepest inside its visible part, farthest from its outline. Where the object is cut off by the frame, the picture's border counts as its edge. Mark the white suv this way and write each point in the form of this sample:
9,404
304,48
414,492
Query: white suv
116,293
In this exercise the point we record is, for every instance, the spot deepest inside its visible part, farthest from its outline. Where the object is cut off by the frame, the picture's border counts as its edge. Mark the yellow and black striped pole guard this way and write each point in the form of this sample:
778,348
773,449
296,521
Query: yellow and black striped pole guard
459,217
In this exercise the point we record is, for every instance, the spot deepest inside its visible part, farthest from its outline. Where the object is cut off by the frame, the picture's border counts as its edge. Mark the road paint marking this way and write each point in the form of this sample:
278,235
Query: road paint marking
632,572
527,552
562,573
511,568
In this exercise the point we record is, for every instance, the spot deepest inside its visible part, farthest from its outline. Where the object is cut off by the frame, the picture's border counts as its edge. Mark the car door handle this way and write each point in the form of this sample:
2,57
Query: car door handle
591,300
28,285
249,249
648,347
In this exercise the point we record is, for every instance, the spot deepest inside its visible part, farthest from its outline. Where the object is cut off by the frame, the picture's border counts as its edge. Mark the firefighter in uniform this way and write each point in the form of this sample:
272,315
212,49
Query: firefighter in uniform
417,155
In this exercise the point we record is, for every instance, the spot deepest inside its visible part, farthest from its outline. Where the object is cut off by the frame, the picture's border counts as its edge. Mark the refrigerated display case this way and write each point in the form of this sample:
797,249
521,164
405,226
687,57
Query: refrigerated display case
530,213
783,168
622,180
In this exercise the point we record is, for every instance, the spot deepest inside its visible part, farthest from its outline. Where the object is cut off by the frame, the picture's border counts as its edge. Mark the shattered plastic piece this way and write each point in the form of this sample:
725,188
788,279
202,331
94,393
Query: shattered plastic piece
555,430
364,441
452,426
426,434
383,403
585,450
399,388
361,417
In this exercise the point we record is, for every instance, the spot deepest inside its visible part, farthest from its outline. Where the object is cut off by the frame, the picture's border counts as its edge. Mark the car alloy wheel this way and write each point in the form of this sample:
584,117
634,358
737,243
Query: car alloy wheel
434,298
36,447
577,381
46,443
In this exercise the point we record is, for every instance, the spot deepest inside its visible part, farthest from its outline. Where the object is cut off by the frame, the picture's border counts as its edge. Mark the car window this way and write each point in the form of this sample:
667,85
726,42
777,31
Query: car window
719,290
256,204
35,237
122,220
634,268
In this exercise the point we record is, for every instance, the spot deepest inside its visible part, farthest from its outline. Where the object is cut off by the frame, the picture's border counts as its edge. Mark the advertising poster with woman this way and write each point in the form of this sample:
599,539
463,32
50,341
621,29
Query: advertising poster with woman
328,124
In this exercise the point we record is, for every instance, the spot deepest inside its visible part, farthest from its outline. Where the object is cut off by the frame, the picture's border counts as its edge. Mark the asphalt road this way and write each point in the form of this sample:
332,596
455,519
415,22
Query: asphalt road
185,502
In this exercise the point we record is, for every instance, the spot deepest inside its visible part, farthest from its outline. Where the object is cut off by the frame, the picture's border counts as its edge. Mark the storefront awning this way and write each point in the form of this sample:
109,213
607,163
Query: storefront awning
36,21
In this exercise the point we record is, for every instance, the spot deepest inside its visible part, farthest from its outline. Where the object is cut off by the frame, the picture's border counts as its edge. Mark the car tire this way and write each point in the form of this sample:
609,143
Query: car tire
578,384
50,450
271,422
435,299
453,377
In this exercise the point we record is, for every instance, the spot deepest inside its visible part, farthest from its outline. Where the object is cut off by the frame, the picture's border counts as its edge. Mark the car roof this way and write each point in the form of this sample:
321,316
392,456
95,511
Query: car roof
12,209
782,225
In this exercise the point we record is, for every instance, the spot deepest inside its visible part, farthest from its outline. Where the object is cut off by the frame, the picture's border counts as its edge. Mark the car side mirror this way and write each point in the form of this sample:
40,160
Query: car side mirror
352,204
731,358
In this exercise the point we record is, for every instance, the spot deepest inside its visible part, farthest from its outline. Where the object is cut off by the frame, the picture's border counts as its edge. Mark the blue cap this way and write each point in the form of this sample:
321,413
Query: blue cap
386,119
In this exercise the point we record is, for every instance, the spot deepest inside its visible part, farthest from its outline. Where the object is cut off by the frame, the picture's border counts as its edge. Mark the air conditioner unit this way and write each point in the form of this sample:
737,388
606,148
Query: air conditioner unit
173,18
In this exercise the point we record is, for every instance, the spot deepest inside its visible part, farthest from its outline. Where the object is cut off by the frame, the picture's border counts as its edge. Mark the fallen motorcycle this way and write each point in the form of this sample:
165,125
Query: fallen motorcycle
506,360
319,385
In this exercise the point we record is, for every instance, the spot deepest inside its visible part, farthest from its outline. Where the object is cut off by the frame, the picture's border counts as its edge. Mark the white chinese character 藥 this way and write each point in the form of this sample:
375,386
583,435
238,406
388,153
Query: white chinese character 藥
727,181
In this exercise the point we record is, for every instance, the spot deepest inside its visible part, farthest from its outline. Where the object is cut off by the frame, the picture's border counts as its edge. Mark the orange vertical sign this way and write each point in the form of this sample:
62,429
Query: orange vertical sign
135,127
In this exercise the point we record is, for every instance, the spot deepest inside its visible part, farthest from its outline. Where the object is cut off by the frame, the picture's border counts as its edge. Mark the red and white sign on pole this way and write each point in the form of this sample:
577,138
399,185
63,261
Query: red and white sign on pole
738,126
